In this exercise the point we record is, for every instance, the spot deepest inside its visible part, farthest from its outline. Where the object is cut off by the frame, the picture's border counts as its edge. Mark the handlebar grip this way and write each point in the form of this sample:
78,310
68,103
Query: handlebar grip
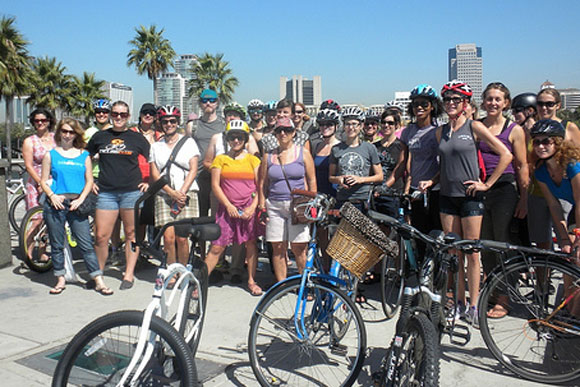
382,218
310,194
495,245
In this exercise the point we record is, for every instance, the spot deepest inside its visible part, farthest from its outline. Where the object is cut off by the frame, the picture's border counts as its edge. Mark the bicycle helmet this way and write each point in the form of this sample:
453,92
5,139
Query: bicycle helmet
353,112
392,105
168,111
550,128
524,101
330,104
255,104
270,106
238,126
458,87
102,103
423,90
236,108
326,115
372,116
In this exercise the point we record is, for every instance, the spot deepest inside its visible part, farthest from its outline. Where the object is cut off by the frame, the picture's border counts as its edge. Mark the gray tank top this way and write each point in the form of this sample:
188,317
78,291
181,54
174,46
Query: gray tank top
458,159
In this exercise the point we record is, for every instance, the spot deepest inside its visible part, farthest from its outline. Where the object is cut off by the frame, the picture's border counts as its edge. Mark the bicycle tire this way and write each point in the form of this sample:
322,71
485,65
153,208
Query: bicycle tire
17,208
40,241
519,341
192,309
334,352
98,354
393,281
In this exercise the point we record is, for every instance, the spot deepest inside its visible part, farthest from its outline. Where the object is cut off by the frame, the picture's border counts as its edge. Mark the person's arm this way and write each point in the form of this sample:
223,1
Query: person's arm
88,185
191,174
573,133
262,184
310,171
557,217
210,152
219,193
518,140
424,185
55,200
252,146
251,209
27,155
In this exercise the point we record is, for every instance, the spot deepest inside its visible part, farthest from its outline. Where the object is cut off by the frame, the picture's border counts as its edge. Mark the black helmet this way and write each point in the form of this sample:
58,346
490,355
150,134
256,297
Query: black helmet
550,128
524,100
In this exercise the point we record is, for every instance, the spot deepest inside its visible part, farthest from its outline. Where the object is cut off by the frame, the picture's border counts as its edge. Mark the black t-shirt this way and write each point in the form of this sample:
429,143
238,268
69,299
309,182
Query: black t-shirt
118,158
389,157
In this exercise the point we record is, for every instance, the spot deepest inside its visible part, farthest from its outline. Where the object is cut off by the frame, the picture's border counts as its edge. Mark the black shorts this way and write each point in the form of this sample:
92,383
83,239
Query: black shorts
461,206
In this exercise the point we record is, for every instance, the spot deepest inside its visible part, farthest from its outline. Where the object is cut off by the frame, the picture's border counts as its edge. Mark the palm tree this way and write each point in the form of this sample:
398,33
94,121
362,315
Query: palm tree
212,72
14,70
51,87
151,54
84,91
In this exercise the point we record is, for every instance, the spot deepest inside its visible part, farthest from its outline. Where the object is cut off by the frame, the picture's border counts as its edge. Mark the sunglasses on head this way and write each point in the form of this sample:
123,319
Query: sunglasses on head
171,121
424,104
544,141
284,129
208,100
455,100
120,114
41,120
101,111
549,104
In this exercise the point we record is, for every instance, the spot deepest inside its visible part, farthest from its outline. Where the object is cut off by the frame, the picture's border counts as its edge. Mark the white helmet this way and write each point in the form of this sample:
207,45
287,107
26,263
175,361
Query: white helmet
353,112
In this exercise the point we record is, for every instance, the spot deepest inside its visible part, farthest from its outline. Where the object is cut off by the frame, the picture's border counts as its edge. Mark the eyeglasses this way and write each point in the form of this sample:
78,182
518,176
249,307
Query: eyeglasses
66,131
423,104
285,129
41,120
518,109
455,100
236,137
171,121
351,124
119,114
208,100
101,111
391,123
549,104
298,111
544,141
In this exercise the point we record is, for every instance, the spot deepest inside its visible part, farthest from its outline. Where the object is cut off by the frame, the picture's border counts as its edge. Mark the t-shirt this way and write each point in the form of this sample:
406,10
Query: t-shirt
388,157
118,158
422,145
270,142
564,190
238,180
68,174
355,161
160,153
203,135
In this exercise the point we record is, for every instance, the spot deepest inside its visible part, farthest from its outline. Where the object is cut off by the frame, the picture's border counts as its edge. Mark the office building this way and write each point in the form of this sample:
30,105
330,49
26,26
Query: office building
402,100
570,98
300,89
119,92
173,87
466,65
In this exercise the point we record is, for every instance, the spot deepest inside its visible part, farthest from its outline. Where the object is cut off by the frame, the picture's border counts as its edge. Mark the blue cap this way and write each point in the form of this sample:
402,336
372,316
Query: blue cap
208,93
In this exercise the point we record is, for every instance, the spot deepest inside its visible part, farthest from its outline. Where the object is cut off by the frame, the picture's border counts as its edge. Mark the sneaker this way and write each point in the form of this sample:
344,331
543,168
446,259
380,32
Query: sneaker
459,312
472,317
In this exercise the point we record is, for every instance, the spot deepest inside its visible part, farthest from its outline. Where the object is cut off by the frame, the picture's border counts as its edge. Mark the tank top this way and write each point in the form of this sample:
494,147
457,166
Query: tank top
458,159
38,151
490,158
322,164
295,172
68,174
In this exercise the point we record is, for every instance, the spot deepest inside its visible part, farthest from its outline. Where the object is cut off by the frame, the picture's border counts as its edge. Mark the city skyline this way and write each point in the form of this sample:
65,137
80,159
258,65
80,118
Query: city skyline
364,57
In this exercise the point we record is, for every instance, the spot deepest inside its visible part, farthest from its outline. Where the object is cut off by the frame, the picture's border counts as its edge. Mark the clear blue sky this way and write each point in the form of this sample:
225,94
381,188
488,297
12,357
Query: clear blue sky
364,50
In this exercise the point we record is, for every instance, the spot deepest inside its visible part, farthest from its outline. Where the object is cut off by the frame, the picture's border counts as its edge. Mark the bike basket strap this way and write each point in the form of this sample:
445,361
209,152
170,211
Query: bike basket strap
358,243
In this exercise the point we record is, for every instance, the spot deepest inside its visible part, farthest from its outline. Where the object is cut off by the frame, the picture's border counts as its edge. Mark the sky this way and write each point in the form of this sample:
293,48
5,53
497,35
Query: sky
363,50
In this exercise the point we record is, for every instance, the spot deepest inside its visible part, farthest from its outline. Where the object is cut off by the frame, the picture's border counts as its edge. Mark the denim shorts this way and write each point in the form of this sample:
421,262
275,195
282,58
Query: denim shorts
115,200
461,206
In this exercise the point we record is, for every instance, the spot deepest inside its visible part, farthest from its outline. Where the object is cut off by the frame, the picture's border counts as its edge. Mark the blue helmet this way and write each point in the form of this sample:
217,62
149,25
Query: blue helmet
423,90
270,106
102,103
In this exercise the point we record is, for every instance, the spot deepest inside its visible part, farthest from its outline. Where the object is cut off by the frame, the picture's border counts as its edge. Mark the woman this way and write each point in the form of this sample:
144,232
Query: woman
285,109
286,168
70,167
548,103
461,202
119,185
234,177
301,120
508,196
178,199
354,165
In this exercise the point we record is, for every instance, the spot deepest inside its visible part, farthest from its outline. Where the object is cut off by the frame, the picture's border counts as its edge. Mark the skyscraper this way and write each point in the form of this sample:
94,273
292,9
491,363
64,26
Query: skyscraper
173,87
119,92
299,89
466,65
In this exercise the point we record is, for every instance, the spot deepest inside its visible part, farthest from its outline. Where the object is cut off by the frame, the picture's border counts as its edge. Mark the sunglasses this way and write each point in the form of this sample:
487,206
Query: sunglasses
325,124
255,111
455,100
284,129
518,109
298,111
171,121
236,137
101,111
549,104
149,113
208,100
391,123
544,141
63,131
120,114
423,104
41,121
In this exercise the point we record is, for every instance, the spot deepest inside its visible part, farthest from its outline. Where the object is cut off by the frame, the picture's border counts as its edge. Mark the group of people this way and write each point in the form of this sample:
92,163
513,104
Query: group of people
474,177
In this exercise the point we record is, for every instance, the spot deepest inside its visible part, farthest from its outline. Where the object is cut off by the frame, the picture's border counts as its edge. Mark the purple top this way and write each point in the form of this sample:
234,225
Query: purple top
295,172
490,158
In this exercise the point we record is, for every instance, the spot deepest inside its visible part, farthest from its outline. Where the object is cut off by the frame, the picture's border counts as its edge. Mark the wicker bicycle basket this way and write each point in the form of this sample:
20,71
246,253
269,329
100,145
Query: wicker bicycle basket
358,243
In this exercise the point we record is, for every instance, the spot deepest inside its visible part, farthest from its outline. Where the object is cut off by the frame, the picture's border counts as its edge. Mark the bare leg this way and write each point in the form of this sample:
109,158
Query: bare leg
299,250
127,216
212,257
279,260
104,224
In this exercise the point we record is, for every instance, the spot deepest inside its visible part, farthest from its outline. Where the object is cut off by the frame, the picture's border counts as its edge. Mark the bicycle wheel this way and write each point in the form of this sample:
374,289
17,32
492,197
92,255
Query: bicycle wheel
99,354
392,281
331,354
34,242
529,340
193,318
17,211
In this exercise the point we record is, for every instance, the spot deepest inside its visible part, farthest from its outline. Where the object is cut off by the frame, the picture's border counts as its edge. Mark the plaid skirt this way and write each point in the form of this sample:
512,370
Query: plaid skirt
163,213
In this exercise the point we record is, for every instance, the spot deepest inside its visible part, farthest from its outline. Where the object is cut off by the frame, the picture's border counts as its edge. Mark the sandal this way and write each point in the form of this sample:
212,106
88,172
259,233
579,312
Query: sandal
360,298
370,278
255,289
104,291
497,312
57,290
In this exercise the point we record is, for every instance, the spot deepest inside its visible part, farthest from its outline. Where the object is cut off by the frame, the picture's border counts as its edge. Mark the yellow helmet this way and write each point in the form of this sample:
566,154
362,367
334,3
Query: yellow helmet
237,125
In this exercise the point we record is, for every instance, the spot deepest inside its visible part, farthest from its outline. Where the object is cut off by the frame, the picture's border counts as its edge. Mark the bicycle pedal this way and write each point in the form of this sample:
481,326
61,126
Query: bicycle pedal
338,349
462,332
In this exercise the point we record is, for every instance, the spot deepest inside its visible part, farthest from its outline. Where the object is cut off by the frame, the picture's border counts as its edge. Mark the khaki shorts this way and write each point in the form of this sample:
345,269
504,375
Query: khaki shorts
280,227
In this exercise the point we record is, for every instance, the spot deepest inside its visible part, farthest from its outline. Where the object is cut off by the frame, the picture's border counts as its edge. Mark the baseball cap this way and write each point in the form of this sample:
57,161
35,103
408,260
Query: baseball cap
284,122
208,93
148,108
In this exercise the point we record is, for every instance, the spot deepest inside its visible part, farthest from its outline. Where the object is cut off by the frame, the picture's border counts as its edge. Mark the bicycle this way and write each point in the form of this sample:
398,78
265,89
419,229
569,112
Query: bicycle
16,190
178,326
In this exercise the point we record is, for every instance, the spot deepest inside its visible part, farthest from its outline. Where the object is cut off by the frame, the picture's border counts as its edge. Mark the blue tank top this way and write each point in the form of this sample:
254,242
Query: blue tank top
278,188
68,174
